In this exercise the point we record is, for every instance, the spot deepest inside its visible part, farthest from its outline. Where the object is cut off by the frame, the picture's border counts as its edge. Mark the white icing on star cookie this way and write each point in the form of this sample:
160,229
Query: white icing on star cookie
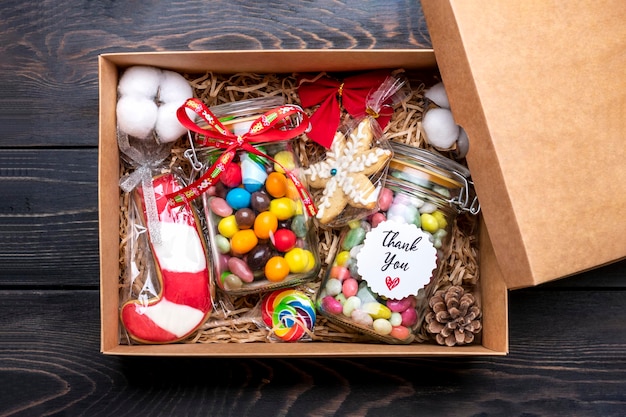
344,173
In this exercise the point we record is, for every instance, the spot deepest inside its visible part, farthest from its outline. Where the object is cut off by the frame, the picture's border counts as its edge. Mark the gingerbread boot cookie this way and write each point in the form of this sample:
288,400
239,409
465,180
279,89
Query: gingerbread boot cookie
184,301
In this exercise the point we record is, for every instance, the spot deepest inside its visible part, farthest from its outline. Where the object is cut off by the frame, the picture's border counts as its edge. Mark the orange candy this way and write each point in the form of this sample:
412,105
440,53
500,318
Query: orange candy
292,190
276,269
243,241
276,184
265,223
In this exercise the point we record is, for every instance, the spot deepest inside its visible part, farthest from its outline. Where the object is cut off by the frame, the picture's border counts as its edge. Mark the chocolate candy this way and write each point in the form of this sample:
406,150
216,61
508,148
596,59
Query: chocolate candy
258,256
244,218
259,201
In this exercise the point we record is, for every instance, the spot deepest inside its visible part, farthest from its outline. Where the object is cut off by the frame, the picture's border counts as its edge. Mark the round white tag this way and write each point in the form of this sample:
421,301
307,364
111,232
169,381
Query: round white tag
397,259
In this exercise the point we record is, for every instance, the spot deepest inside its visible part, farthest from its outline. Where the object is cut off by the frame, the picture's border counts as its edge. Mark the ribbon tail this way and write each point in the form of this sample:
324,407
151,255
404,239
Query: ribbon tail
150,203
383,120
143,176
325,122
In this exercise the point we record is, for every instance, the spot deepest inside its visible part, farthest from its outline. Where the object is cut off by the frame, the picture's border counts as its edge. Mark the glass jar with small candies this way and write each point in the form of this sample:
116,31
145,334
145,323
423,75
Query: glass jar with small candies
383,262
262,237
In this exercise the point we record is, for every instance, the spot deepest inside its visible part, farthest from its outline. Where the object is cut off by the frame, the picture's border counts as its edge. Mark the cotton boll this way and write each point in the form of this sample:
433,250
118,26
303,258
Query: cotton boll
174,88
136,116
462,144
440,128
437,94
140,81
168,128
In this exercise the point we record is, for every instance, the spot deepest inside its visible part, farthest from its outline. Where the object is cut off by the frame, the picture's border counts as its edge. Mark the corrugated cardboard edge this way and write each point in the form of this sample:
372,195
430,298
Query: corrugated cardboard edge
483,162
109,208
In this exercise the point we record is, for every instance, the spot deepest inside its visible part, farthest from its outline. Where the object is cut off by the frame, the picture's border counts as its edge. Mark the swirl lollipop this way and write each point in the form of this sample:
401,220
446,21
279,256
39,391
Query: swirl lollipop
290,314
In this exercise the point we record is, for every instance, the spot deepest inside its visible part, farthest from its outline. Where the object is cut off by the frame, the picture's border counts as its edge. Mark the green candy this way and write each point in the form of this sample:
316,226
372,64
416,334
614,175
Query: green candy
353,238
298,226
222,244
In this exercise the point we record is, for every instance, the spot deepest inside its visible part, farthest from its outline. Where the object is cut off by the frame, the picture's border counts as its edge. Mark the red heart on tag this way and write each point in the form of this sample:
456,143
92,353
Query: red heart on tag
392,282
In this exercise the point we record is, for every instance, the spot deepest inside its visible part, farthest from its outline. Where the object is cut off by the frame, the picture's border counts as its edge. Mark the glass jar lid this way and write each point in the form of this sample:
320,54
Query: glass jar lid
440,175
247,107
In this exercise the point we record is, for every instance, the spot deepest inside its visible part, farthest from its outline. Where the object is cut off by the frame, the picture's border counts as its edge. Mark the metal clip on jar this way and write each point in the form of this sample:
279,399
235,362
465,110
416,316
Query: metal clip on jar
373,284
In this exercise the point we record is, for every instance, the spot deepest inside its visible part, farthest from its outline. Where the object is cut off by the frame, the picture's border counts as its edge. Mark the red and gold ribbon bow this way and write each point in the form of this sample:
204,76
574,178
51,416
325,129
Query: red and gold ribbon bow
327,92
273,126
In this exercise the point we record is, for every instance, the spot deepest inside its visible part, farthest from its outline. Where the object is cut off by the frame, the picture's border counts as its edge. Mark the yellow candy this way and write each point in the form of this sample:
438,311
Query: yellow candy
342,258
299,208
429,223
283,208
376,310
353,224
298,260
441,219
228,226
311,263
286,159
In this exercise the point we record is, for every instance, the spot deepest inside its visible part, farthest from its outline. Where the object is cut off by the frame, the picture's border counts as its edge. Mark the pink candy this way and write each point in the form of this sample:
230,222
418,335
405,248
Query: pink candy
331,305
409,317
377,218
385,199
240,268
399,306
350,287
406,308
339,272
220,207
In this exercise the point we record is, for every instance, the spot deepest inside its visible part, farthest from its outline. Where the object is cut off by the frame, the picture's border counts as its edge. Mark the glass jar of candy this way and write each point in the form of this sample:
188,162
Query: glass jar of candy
375,281
260,228
262,237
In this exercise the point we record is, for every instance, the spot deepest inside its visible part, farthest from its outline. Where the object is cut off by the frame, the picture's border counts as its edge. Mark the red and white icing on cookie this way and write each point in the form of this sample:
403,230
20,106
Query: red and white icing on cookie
185,300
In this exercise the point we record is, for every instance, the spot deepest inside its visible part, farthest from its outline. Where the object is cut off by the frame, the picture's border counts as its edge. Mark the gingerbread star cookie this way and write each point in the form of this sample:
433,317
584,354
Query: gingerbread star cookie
345,172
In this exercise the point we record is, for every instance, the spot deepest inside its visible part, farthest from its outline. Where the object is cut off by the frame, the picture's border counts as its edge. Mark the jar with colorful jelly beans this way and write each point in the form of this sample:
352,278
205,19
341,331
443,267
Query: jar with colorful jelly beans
374,283
262,237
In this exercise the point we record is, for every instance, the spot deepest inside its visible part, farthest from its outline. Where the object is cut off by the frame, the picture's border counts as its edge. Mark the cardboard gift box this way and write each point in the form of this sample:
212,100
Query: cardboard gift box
543,119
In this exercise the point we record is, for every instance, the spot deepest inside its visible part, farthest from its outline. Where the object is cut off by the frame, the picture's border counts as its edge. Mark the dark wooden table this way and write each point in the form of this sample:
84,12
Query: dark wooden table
567,339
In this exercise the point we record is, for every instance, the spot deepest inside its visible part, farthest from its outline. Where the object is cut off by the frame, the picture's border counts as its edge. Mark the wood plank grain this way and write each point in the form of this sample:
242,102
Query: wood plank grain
48,74
49,363
49,217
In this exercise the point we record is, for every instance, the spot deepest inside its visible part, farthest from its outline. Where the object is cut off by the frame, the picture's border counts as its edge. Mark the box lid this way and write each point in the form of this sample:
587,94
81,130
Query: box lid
540,88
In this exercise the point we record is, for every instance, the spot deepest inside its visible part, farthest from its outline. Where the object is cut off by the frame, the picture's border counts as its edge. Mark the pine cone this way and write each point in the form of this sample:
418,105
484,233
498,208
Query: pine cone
455,316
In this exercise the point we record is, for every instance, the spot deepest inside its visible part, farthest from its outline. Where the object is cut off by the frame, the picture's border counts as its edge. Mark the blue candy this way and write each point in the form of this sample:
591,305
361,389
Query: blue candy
238,198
